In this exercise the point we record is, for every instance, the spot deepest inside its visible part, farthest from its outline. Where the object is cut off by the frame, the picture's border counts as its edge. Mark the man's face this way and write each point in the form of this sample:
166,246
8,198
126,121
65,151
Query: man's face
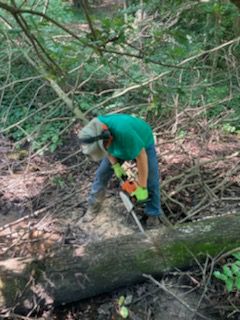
84,148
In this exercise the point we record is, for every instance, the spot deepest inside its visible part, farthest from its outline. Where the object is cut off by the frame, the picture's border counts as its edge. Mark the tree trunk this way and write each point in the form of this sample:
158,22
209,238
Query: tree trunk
73,272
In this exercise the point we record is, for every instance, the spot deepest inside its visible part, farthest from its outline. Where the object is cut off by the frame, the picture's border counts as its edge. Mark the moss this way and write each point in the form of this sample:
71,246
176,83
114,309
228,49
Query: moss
14,284
145,260
35,269
182,253
11,286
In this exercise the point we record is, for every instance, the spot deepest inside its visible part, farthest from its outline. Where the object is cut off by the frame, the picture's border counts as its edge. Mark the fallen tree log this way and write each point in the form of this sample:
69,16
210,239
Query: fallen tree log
72,273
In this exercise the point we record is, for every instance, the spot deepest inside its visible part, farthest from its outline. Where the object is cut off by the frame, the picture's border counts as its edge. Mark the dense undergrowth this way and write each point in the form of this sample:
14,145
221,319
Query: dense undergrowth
132,60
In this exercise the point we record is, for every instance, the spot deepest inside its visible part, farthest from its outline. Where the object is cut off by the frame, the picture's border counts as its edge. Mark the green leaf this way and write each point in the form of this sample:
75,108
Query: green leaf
229,285
235,269
55,138
237,263
220,276
121,301
238,283
236,255
229,128
52,148
123,312
182,134
227,271
128,299
180,37
107,23
177,52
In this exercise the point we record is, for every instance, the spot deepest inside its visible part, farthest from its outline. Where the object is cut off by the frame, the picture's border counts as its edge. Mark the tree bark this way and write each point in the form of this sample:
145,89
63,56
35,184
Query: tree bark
71,273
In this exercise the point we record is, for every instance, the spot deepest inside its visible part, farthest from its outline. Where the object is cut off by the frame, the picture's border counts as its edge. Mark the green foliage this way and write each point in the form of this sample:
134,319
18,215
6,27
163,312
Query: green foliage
129,53
121,308
228,128
58,181
230,274
24,117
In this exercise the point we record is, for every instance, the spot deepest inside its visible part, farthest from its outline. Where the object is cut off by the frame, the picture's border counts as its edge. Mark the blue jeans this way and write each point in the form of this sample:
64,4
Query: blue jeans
105,172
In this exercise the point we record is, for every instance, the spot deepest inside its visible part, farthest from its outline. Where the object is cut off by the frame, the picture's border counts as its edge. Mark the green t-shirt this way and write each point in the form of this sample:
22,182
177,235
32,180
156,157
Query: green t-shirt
130,135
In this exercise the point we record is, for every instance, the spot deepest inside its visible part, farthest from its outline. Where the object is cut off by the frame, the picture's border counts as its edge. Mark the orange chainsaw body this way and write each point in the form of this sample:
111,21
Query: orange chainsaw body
129,186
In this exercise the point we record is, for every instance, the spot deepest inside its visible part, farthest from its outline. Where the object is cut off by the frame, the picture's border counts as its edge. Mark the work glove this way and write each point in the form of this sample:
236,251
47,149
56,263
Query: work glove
119,171
141,194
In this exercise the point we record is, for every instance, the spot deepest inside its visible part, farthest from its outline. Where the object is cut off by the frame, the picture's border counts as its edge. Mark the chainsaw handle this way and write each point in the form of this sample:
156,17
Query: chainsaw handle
124,178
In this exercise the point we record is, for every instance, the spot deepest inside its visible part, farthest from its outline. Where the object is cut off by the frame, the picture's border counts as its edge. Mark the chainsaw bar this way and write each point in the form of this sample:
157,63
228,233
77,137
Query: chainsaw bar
129,206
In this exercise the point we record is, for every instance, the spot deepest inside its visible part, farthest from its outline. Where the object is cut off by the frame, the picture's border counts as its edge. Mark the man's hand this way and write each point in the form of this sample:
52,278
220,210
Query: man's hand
118,170
141,194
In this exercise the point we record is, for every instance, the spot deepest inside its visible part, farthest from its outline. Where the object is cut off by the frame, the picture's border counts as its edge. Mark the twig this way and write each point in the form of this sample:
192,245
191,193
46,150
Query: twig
11,84
120,93
206,280
29,216
13,316
163,287
44,9
227,254
38,212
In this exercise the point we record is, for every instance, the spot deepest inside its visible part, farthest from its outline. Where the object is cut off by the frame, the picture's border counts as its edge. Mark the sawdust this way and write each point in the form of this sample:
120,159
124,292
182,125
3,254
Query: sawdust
110,222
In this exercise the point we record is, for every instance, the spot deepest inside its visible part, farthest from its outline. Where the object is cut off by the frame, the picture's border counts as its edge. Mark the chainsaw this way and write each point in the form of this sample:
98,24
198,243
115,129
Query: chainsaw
129,201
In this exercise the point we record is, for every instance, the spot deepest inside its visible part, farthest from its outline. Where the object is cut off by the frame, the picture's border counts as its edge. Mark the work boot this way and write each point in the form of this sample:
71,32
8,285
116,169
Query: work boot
93,208
150,221
91,213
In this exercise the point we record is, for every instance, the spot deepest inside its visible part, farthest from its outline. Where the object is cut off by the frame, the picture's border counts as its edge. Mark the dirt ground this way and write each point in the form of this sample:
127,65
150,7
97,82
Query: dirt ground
43,198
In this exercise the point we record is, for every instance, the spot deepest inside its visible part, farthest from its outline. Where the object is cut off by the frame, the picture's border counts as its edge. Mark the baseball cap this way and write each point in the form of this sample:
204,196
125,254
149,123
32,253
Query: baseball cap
95,149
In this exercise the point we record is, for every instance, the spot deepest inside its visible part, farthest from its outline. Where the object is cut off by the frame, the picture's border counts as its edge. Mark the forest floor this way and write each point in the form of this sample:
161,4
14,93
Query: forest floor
43,197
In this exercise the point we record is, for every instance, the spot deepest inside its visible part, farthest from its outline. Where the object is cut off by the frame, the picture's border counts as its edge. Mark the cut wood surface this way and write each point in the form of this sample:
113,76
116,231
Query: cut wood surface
71,273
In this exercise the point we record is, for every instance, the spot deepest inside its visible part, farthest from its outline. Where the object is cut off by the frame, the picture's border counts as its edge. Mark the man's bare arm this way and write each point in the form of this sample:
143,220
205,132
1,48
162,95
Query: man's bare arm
142,166
112,159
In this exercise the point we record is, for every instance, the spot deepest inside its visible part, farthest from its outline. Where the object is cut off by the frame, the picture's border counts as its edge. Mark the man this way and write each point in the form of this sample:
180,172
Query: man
116,138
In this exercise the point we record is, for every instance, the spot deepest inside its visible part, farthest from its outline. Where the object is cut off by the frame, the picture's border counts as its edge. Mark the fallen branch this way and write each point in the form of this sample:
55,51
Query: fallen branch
164,288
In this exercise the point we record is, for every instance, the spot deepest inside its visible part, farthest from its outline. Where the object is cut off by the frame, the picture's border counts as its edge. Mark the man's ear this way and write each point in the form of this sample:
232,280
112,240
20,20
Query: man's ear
106,134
